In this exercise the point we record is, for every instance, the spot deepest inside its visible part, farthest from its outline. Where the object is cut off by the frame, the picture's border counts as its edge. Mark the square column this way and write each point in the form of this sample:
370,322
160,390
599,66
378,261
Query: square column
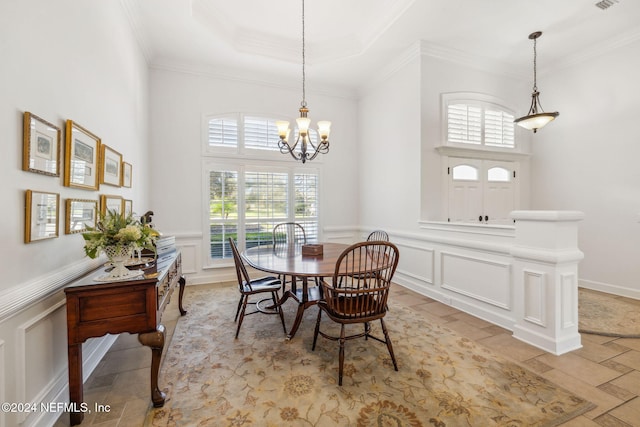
546,258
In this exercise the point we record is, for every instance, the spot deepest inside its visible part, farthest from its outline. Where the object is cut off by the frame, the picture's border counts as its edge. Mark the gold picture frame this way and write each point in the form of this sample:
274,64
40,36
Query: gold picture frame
127,170
110,166
41,145
80,214
82,157
41,215
127,207
110,202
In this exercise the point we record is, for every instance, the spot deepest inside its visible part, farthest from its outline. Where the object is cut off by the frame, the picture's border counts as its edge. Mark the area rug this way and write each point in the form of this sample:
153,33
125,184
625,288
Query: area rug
261,379
606,314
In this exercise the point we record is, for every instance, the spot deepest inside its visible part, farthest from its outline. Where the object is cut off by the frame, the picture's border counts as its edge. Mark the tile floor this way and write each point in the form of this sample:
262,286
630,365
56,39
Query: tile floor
606,371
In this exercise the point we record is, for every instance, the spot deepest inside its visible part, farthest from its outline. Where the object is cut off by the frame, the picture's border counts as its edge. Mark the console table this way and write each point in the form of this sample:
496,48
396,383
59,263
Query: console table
135,306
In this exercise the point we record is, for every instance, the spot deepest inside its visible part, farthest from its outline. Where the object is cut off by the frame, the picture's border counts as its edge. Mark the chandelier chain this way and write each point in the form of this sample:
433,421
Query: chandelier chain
304,102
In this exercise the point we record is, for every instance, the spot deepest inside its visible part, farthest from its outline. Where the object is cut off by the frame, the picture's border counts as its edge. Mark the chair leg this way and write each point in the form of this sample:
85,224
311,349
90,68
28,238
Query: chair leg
239,305
315,333
341,354
244,307
389,346
274,296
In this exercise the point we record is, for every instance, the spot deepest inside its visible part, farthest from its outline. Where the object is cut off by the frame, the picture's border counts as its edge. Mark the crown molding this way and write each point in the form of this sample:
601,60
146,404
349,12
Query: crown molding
256,42
130,11
391,68
469,60
242,76
598,50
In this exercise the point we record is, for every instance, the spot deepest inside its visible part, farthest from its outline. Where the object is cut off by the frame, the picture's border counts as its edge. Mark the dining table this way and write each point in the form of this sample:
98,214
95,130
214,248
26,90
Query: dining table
288,260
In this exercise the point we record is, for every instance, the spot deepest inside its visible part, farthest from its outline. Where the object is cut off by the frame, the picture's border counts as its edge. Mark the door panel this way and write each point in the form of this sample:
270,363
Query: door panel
481,189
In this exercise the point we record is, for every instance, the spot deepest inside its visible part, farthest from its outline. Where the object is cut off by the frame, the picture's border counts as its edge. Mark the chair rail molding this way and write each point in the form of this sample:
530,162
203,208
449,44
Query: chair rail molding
19,297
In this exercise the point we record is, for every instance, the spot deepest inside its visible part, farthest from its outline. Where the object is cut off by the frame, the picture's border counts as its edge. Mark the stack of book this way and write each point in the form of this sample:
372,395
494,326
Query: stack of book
165,245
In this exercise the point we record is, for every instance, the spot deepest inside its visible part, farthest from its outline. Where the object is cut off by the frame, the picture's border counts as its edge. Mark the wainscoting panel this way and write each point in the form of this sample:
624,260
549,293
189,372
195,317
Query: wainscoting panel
482,279
39,356
535,297
416,262
190,259
2,383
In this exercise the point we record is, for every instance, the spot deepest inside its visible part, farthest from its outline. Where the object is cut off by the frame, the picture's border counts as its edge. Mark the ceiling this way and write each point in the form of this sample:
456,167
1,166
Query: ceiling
349,40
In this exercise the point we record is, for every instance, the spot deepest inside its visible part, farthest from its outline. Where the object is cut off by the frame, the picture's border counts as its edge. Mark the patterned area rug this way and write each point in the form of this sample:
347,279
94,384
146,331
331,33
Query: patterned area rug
261,379
606,314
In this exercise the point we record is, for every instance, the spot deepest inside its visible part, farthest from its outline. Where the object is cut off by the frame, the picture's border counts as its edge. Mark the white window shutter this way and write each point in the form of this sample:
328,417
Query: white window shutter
223,133
464,124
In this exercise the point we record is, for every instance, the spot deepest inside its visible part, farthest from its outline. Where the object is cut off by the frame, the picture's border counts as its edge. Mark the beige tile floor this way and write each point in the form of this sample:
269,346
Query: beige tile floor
606,370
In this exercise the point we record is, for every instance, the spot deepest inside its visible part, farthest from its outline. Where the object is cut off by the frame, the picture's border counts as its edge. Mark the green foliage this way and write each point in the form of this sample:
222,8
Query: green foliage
114,229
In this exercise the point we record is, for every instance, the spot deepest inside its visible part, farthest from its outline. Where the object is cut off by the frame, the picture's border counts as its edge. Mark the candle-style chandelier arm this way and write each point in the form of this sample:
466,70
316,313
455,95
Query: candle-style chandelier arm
304,142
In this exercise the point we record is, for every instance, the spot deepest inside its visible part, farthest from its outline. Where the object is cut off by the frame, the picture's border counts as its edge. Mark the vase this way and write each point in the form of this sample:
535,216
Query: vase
118,256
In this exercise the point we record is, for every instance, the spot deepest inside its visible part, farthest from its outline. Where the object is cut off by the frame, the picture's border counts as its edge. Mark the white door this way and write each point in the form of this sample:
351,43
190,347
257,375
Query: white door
481,191
465,190
499,197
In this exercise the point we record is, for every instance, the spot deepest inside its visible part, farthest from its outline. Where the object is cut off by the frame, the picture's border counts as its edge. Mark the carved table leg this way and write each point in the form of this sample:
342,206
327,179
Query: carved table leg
301,307
155,340
75,381
181,281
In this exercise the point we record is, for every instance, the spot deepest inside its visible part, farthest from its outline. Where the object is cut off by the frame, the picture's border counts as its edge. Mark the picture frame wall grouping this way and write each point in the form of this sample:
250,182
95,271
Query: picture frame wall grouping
87,163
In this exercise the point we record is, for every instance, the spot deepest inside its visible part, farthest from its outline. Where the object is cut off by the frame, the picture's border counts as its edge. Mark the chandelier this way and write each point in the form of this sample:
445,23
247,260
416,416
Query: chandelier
536,118
304,148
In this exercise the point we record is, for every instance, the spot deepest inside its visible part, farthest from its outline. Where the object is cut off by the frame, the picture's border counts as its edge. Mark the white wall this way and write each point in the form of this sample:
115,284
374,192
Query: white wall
179,101
587,159
390,148
60,60
440,76
65,60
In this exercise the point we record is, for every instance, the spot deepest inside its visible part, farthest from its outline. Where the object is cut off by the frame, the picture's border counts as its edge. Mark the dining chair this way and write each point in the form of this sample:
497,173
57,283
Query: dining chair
378,235
249,287
288,237
358,294
289,234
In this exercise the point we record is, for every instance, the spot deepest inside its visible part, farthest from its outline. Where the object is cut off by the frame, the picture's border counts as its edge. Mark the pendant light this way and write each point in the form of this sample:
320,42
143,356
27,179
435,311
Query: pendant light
536,118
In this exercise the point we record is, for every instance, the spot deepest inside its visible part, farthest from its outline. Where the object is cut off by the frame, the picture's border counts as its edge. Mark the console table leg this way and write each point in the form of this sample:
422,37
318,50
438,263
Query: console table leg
181,281
75,381
155,340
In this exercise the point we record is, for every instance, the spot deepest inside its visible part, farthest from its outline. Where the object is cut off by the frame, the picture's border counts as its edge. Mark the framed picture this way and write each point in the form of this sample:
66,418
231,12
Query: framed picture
127,205
111,203
82,155
126,174
111,167
41,146
41,216
80,214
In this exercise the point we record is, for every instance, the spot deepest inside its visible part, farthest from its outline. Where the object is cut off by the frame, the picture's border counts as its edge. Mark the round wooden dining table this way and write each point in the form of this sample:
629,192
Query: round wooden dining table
289,261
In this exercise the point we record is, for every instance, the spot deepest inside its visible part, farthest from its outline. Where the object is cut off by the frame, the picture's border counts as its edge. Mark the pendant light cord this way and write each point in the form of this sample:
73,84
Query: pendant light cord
535,55
304,102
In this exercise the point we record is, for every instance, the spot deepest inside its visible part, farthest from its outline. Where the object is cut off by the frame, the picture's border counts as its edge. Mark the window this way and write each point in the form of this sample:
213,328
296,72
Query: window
247,132
247,197
473,119
222,132
465,172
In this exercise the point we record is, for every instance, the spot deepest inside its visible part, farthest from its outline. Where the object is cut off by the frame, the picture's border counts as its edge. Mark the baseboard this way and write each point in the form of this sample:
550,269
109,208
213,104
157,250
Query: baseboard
609,288
58,390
